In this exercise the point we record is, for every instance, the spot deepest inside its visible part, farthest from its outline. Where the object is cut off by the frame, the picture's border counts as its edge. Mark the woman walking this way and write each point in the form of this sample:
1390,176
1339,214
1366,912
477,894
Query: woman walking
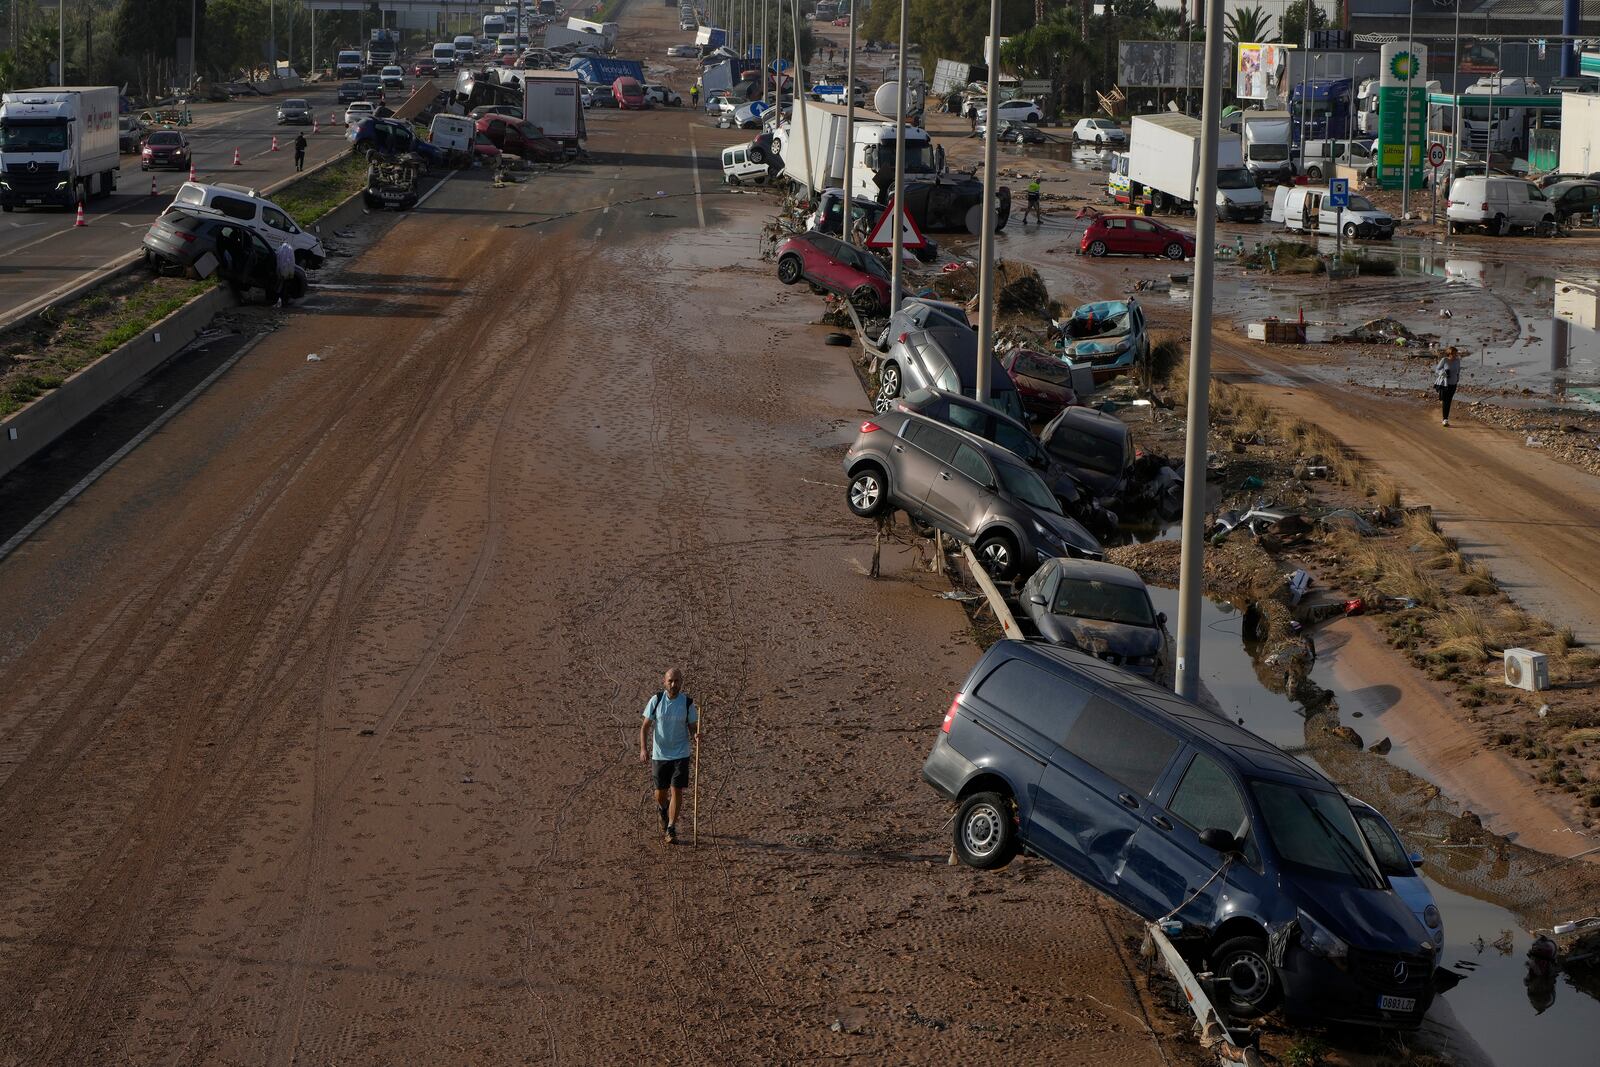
1446,376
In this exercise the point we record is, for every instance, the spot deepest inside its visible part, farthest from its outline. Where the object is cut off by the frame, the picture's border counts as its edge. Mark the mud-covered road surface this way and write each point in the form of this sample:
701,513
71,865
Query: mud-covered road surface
318,737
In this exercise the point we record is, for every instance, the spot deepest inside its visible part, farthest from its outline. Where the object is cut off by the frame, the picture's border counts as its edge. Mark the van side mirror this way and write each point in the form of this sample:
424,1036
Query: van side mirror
1416,859
1161,618
1035,598
1221,841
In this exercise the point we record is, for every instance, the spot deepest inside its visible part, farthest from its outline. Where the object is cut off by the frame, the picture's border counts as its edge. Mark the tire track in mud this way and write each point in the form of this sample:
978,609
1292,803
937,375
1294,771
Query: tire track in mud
112,855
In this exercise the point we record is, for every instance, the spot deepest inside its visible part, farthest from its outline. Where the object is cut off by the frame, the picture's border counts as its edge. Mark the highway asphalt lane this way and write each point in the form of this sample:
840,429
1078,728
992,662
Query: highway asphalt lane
41,250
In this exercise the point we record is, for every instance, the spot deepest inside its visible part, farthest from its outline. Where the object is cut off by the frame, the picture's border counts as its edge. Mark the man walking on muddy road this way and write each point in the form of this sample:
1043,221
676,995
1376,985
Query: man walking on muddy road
671,722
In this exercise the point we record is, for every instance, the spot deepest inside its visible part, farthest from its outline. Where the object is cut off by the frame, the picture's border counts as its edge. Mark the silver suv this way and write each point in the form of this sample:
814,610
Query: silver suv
942,356
970,488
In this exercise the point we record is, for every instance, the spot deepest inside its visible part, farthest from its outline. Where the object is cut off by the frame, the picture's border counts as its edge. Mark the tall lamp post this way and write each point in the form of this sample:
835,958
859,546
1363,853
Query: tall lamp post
1191,568
897,247
991,186
1411,84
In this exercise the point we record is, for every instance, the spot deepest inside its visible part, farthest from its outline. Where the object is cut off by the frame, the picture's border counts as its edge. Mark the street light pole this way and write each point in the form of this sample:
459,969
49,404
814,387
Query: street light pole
61,43
897,248
1405,140
991,186
847,211
1191,568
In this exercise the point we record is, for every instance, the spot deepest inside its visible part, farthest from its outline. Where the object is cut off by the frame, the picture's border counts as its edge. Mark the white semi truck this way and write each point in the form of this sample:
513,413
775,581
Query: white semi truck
872,146
58,145
551,101
1164,168
1491,128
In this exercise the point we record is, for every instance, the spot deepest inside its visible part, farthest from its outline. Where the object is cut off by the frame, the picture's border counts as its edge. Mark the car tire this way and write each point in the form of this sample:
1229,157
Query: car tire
998,553
868,491
1252,987
1350,230
1314,173
890,379
790,269
1097,249
985,835
758,154
1174,250
864,298
1099,143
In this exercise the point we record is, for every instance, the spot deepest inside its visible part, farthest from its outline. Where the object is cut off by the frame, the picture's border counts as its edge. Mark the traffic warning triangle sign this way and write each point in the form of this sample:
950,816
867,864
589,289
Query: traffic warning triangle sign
882,237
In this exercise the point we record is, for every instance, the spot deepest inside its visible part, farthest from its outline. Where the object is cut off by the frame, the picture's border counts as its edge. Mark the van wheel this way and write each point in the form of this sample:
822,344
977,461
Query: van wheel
1350,230
1252,984
998,554
868,492
758,154
1502,226
986,831
789,269
1097,249
1314,173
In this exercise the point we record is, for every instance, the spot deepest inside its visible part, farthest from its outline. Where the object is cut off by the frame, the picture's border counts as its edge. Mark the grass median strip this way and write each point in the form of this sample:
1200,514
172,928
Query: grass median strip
40,354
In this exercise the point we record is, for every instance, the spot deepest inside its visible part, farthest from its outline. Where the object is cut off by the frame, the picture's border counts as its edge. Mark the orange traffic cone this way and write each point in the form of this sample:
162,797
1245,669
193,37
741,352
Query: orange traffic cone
333,118
191,170
315,129
153,188
80,221
274,147
236,160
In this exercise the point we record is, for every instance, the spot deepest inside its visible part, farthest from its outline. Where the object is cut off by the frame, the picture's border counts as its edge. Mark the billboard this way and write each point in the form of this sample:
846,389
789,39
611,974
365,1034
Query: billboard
1402,114
1260,72
1160,64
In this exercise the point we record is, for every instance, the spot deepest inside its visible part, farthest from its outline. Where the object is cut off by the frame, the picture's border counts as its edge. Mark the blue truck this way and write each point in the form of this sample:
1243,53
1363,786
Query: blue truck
603,70
1327,105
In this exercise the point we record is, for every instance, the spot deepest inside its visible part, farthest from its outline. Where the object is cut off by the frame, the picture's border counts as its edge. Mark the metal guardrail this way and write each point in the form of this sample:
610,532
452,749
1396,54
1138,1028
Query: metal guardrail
1214,1033
991,593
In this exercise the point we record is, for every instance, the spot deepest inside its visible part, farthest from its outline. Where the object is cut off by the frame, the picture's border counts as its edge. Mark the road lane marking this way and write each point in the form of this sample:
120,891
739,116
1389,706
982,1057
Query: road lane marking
423,199
138,439
134,200
699,199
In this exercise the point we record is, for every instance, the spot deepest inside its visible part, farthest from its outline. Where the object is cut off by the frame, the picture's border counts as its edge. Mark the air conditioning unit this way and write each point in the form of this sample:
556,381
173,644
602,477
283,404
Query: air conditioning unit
1527,669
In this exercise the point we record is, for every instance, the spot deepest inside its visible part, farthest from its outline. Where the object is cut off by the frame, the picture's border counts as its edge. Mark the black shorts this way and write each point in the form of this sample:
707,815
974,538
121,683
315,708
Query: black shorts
673,772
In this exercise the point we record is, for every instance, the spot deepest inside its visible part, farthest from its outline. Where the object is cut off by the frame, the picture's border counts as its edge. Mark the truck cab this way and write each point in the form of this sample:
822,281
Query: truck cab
1320,110
1490,128
1266,146
873,163
58,146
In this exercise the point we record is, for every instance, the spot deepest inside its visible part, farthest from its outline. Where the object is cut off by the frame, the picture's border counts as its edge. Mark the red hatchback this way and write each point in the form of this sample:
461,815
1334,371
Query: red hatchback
1135,235
832,266
1043,382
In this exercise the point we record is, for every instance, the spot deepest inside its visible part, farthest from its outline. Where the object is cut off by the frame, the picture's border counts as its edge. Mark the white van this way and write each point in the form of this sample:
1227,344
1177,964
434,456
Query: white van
259,214
444,56
466,46
737,166
452,133
1498,204
1304,209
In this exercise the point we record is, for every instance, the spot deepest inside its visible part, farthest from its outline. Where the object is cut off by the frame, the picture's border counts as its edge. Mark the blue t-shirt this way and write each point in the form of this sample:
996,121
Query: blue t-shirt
670,738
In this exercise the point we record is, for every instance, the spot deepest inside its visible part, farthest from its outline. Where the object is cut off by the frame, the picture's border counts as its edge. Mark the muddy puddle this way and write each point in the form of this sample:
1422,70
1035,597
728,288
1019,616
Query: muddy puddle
1524,325
1484,943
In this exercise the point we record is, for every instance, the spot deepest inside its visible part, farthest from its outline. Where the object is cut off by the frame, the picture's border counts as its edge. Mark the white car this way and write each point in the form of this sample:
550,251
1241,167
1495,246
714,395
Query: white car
661,95
393,77
1099,132
1020,111
361,109
266,218
686,51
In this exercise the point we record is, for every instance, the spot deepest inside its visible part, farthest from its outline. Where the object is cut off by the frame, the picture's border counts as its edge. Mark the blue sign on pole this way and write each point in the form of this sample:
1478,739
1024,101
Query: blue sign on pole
1339,193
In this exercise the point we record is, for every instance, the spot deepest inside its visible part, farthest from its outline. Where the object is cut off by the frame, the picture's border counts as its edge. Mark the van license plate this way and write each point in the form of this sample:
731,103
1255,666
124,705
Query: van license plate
1397,1004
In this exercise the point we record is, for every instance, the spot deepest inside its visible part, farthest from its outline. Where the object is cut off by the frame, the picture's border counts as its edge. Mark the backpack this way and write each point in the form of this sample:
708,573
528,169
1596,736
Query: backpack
661,698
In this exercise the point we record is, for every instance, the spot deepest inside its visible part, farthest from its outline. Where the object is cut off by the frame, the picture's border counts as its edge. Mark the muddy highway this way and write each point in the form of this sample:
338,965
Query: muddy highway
319,714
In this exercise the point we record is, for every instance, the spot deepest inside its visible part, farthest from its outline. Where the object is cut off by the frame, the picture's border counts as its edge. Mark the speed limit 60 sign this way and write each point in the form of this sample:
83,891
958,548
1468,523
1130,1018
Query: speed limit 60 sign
1436,155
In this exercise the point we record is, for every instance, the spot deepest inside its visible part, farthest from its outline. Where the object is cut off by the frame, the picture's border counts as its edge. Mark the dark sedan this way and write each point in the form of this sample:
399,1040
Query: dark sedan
1098,608
1574,199
165,148
350,92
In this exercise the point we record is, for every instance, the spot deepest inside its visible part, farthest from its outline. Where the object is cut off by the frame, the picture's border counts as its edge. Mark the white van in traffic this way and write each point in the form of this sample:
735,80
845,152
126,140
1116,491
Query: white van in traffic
258,213
444,56
1498,203
1305,209
466,47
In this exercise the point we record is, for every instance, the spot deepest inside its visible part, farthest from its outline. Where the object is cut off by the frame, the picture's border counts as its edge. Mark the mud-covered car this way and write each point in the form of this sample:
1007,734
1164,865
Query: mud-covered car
392,183
1098,608
1108,336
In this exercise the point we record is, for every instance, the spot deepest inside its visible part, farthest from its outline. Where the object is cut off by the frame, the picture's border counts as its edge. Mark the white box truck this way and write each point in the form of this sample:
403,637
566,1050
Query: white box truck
552,102
558,36
1164,168
608,30
1266,146
60,145
872,170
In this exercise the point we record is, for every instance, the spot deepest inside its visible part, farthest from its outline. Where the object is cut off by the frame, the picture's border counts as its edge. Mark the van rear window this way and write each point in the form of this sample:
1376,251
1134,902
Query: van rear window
1044,701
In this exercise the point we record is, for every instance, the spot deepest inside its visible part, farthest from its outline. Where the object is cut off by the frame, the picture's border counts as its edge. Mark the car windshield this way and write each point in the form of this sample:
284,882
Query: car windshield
33,137
919,158
1313,829
1085,598
1234,178
1360,203
1102,454
1026,486
1106,124
1386,847
165,138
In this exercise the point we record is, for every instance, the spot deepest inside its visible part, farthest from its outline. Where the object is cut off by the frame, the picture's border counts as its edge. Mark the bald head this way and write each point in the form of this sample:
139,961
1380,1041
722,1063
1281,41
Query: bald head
672,681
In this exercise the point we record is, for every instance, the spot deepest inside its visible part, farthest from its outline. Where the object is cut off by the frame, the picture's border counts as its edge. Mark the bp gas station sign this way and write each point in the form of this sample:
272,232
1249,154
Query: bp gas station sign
1402,102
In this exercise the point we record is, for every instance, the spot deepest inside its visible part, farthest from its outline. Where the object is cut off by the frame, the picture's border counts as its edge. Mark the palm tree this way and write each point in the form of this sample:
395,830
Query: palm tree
1250,25
1047,49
